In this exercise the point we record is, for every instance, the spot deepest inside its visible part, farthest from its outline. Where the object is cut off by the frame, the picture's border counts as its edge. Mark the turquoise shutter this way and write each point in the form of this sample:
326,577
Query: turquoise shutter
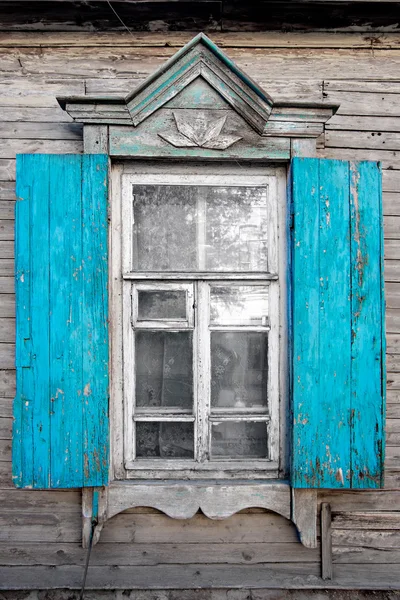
338,349
60,436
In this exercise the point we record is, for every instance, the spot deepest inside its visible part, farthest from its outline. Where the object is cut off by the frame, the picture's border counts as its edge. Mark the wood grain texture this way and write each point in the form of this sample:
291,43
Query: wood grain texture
61,405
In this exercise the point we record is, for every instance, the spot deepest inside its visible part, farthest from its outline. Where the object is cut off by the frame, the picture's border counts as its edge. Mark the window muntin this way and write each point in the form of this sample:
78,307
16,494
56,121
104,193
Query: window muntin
243,399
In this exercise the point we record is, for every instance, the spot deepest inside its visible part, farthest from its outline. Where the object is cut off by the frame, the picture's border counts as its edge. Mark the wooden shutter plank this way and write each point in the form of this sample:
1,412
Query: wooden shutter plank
338,336
367,330
95,318
61,406
334,323
66,321
305,307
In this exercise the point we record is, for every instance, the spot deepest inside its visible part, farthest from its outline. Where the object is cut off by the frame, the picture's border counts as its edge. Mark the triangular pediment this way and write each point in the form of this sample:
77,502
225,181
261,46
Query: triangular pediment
203,61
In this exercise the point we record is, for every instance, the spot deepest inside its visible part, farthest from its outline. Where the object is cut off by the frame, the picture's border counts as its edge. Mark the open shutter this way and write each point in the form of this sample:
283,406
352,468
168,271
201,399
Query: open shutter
60,436
338,349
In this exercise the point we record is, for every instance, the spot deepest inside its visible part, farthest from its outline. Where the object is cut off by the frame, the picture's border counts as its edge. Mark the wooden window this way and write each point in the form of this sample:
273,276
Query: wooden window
202,293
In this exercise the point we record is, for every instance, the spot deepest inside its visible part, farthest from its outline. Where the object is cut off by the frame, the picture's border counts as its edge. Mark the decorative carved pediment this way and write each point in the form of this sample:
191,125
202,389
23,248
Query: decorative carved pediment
198,77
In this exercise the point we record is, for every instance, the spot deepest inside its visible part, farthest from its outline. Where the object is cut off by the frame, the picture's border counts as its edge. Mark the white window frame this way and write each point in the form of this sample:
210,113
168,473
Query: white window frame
124,280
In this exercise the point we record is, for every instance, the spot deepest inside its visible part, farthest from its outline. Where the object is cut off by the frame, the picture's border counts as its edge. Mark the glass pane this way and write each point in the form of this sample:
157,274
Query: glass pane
198,228
164,230
236,228
161,305
239,369
164,368
164,440
239,440
239,305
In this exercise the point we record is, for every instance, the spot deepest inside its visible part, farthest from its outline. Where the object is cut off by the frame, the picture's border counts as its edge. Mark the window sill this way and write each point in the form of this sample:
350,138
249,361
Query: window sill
217,499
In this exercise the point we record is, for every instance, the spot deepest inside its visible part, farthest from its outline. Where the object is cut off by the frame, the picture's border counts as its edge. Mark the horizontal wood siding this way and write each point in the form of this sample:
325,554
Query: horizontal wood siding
40,531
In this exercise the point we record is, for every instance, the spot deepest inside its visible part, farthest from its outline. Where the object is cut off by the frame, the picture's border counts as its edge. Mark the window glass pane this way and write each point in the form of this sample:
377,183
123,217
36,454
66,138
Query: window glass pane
239,440
164,440
198,228
239,305
161,305
164,367
164,228
239,369
236,228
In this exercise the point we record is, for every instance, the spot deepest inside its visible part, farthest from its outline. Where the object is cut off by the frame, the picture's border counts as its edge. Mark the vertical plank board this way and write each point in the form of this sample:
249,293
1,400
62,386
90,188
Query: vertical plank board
338,336
306,448
22,409
61,406
334,322
38,169
66,321
95,318
367,406
326,542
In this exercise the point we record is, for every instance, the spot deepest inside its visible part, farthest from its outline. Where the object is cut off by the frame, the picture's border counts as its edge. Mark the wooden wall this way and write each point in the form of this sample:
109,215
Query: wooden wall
40,531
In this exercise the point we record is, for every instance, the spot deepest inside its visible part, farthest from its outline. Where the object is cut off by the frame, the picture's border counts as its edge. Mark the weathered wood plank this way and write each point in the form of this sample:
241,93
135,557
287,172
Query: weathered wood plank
7,190
42,501
5,475
363,139
365,555
392,294
7,209
356,123
288,575
326,542
355,538
6,264
6,285
7,305
18,114
393,381
159,528
367,520
389,159
6,407
391,203
7,383
392,227
6,229
364,103
359,85
7,169
393,362
359,500
392,271
7,329
392,456
392,320
9,148
97,62
7,356
5,428
5,451
392,479
393,412
176,39
44,131
156,554
39,527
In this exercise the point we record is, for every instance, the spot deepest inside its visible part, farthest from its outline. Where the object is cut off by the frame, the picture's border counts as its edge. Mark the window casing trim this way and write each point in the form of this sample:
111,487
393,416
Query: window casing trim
121,281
